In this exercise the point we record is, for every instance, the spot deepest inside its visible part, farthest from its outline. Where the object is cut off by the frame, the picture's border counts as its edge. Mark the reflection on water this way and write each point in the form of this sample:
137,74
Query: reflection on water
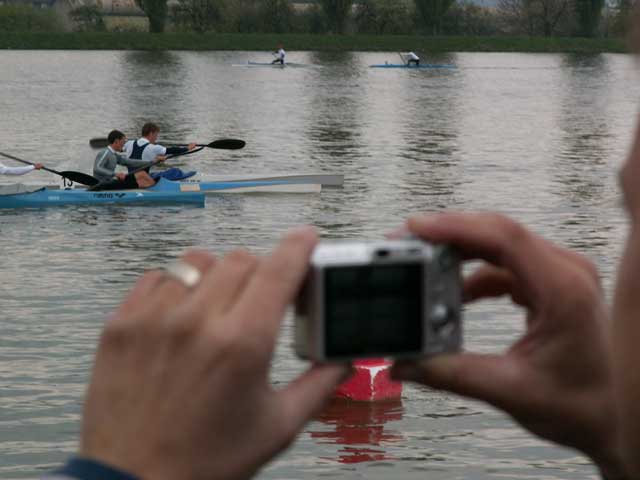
359,429
537,137
161,72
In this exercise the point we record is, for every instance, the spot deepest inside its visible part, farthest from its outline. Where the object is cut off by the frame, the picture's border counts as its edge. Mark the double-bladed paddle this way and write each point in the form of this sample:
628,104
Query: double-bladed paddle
78,177
223,144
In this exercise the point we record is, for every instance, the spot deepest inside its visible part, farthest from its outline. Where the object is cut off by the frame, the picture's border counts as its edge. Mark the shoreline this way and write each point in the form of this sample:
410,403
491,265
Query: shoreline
305,42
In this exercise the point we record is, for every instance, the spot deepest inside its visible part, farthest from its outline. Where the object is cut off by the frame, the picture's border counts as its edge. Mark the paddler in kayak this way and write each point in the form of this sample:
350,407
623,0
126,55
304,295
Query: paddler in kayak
4,170
146,148
104,167
280,55
411,59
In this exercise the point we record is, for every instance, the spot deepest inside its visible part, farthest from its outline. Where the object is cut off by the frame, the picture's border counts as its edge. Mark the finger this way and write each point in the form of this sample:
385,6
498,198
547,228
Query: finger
171,292
275,282
492,378
220,287
628,178
489,281
304,397
136,299
493,238
577,259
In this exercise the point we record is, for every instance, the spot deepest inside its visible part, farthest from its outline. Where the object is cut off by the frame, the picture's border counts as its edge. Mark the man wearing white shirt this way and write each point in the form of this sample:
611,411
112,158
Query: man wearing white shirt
146,148
412,58
4,170
280,54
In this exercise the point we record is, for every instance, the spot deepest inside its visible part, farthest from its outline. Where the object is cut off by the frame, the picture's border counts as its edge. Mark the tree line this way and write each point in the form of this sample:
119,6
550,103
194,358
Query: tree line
585,18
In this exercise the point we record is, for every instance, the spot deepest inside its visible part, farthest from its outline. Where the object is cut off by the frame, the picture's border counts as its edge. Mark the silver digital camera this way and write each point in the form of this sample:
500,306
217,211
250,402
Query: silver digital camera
390,298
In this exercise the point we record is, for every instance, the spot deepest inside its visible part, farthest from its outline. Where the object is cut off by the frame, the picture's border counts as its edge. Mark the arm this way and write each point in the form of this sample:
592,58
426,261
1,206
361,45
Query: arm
16,170
556,380
626,309
102,169
130,162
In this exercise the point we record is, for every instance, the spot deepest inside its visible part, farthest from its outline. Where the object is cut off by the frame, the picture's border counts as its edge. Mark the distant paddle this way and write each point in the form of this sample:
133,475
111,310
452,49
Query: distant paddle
78,177
222,144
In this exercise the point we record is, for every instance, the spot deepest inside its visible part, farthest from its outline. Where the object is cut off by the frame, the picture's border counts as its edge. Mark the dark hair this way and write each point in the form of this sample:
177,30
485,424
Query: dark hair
148,128
115,135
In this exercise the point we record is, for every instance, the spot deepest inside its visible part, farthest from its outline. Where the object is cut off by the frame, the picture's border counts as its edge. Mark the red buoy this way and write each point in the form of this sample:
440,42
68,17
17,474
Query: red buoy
370,382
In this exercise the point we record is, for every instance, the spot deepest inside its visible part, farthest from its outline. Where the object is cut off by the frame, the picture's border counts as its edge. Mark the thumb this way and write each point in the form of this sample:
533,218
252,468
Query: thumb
492,378
305,396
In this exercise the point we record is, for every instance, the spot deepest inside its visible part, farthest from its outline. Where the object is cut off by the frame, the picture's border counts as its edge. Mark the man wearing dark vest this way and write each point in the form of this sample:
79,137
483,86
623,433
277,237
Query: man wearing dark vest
146,148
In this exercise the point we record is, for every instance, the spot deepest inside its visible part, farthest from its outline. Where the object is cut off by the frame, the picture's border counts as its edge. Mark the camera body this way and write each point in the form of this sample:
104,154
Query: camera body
389,298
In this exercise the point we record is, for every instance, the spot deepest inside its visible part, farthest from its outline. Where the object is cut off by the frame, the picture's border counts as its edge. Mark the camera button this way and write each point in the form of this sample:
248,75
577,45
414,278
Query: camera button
440,315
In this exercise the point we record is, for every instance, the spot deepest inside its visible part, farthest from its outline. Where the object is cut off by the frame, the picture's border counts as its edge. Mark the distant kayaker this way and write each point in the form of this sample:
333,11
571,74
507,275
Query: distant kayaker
280,55
104,167
146,148
4,170
412,59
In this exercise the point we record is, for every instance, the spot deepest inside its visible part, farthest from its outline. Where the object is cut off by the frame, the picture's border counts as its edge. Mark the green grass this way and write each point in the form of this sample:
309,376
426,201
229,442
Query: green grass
192,41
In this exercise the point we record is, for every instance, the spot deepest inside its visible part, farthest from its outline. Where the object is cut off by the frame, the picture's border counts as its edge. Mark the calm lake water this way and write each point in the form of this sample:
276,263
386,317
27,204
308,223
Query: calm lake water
538,137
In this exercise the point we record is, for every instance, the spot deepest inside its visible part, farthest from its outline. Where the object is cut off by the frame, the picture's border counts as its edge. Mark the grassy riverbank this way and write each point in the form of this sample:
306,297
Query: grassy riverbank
188,41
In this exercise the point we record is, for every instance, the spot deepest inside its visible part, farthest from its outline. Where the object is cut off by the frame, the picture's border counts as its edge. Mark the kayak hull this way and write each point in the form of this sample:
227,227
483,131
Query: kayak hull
324,179
46,197
269,65
312,183
423,66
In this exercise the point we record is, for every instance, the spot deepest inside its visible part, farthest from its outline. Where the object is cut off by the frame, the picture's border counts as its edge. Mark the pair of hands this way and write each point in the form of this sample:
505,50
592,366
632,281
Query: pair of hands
180,386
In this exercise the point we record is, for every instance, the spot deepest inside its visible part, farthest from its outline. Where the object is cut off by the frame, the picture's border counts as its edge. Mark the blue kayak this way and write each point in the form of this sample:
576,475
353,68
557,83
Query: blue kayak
159,194
243,183
424,66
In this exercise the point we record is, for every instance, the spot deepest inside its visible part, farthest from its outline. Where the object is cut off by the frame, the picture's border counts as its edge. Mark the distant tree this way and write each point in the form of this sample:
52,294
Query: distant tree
468,18
550,14
383,17
26,18
156,11
588,15
534,17
87,18
517,17
622,17
277,15
198,15
431,13
244,16
337,13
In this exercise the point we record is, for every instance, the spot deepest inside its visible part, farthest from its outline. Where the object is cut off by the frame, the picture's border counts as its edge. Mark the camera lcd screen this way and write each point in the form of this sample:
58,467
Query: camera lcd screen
373,310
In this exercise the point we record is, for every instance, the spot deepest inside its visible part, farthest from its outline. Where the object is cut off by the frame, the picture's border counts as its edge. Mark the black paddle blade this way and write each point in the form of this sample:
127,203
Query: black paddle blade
81,178
227,144
99,143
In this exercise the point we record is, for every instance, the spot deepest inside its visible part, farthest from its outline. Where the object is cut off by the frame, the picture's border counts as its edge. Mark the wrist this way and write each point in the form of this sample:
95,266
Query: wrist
83,468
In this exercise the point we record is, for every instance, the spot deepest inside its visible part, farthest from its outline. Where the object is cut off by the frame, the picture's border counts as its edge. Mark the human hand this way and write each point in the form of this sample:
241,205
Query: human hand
626,329
38,166
555,380
161,158
121,176
180,386
192,146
